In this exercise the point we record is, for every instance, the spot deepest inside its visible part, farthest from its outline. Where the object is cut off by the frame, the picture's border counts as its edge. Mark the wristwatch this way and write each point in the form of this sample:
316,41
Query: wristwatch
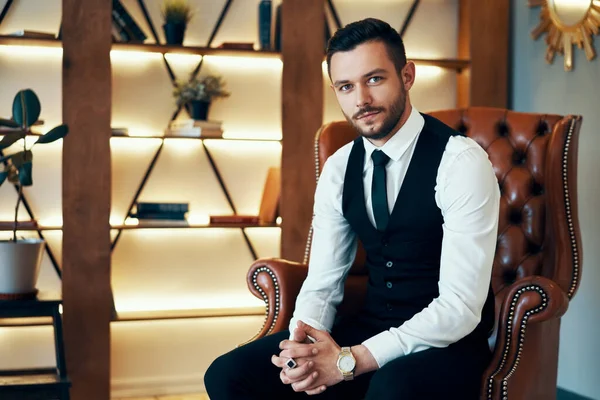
346,363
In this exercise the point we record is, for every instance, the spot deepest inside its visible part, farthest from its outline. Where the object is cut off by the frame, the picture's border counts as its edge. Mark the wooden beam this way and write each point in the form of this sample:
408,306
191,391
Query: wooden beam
484,32
302,114
86,180
464,45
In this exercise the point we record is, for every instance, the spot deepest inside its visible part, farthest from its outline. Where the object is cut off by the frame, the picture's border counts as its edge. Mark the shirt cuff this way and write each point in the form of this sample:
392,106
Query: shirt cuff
309,321
383,347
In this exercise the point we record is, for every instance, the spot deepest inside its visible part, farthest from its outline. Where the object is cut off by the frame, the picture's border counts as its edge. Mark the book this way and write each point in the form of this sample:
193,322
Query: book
168,216
155,207
234,219
194,132
126,23
269,205
195,123
33,34
236,46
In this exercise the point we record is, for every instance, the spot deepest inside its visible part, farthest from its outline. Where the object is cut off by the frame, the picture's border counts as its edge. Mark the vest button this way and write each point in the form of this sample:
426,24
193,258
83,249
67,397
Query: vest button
384,242
389,285
389,264
388,306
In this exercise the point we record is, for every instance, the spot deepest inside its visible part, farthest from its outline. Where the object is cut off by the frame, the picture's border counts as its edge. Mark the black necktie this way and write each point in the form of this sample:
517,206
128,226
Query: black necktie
378,190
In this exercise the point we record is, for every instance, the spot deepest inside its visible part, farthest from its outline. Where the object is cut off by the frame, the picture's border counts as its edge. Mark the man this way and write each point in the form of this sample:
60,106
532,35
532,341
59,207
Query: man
424,202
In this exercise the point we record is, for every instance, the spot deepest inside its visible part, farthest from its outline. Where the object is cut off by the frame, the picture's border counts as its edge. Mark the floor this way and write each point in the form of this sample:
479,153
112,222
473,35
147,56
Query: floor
201,396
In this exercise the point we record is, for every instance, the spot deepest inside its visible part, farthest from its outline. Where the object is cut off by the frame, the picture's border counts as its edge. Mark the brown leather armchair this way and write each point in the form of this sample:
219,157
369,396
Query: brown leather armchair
538,260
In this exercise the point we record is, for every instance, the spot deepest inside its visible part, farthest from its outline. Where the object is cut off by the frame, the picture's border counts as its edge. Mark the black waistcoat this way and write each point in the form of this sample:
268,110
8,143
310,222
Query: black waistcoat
403,261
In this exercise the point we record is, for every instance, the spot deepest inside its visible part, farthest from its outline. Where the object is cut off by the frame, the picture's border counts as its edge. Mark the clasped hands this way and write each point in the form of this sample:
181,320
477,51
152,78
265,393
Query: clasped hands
316,362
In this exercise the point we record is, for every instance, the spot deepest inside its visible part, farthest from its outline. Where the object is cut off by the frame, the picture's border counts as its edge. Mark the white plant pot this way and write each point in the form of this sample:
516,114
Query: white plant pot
20,265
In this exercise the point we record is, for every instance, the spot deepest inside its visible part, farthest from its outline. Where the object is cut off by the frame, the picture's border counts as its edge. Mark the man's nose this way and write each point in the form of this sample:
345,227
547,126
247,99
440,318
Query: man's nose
363,96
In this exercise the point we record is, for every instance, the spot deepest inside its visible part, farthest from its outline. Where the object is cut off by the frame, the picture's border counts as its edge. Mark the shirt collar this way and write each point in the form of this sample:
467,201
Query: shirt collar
400,142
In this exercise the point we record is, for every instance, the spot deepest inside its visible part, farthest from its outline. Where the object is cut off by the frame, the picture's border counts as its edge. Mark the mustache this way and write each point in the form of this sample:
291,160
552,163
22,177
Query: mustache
367,110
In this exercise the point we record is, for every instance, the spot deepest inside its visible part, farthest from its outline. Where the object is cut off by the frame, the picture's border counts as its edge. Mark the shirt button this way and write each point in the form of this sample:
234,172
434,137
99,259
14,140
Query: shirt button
389,264
389,307
389,285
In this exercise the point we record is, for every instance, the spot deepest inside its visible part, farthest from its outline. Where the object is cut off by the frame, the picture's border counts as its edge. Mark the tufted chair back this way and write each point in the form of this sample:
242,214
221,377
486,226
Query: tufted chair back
534,158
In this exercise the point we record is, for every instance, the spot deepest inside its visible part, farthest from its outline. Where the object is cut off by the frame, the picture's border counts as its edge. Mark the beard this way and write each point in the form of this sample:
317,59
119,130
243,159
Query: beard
392,116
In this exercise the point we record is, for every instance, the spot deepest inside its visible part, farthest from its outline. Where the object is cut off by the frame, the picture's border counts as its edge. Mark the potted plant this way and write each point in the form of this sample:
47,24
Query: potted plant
198,93
20,259
176,16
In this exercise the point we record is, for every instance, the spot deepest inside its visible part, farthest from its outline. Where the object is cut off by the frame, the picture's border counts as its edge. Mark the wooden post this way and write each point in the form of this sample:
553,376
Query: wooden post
302,115
484,35
86,180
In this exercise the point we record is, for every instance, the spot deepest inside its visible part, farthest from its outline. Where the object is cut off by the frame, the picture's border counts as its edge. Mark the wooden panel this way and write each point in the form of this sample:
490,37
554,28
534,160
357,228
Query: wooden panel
488,36
86,196
302,115
464,34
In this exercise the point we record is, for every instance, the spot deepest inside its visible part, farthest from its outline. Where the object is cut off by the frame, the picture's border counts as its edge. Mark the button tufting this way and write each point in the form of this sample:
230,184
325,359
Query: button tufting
542,128
518,158
509,276
502,129
515,217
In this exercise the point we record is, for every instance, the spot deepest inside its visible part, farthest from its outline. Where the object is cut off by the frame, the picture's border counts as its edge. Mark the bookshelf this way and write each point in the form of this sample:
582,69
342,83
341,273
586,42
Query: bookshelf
451,64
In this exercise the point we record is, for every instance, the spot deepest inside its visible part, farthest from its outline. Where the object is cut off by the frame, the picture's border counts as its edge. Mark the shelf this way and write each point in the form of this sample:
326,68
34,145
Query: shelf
188,314
449,63
118,135
150,226
144,47
192,226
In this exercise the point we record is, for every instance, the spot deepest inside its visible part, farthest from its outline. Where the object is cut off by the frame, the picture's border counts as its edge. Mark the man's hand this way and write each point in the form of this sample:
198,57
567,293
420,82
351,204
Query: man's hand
304,366
323,360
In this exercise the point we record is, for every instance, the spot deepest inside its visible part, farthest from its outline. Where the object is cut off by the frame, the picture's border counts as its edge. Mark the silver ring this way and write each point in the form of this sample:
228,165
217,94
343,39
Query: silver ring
291,364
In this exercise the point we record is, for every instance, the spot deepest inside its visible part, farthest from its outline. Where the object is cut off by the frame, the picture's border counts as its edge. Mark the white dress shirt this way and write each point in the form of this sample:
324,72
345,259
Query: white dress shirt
468,196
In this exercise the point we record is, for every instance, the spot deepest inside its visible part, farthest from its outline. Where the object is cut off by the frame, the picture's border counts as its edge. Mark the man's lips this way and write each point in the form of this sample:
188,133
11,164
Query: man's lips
367,115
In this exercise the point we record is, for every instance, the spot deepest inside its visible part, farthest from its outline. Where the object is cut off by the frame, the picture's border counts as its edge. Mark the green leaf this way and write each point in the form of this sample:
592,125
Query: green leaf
3,176
56,133
25,176
8,122
26,108
19,158
10,137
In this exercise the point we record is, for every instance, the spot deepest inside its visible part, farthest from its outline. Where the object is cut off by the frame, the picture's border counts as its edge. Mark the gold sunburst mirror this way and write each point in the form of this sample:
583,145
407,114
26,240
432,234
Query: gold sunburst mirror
567,23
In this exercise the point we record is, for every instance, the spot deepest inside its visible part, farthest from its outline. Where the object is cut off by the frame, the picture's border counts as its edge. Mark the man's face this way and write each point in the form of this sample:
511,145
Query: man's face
371,94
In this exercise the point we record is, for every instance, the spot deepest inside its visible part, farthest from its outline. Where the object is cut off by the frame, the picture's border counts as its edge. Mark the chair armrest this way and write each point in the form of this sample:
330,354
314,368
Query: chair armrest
278,283
532,300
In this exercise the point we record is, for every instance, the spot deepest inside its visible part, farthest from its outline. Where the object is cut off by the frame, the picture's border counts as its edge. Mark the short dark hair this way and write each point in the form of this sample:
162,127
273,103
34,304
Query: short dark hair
367,30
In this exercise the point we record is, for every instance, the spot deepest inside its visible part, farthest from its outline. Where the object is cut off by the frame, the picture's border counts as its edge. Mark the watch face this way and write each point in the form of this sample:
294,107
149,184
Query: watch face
347,363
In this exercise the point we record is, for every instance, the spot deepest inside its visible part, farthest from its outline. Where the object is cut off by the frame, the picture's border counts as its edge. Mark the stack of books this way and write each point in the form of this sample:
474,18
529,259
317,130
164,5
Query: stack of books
195,128
165,213
124,27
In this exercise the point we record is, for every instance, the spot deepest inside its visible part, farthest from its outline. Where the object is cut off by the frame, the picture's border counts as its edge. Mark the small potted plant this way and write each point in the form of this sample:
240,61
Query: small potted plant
176,16
20,259
198,93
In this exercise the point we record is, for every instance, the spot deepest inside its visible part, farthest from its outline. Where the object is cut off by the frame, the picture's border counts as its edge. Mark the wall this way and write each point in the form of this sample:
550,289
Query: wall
539,87
181,271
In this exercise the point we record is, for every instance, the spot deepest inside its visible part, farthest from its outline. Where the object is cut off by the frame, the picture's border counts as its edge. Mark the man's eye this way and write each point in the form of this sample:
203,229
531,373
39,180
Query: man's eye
345,88
375,79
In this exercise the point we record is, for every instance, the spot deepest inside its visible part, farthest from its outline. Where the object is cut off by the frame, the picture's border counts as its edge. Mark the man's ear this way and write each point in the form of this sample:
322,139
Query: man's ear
408,75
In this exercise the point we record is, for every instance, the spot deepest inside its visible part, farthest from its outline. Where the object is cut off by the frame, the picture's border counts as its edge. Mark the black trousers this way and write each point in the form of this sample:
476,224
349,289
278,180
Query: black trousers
453,372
